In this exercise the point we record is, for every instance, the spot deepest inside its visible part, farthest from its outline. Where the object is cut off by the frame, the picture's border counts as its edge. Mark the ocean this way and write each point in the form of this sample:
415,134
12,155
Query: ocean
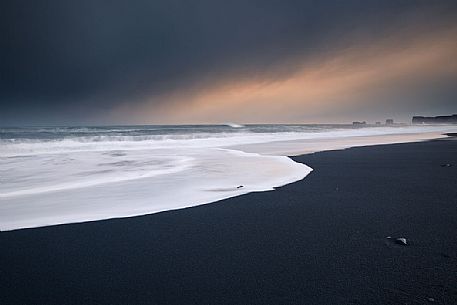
57,175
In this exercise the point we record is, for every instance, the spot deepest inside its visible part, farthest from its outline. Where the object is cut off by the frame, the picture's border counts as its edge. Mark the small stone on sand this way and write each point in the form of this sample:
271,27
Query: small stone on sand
401,241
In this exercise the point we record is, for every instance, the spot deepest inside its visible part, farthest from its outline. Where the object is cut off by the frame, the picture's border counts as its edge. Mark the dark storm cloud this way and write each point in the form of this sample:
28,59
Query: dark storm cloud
63,60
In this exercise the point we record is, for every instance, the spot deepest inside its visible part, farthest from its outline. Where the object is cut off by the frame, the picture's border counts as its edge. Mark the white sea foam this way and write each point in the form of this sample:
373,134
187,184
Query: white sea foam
72,175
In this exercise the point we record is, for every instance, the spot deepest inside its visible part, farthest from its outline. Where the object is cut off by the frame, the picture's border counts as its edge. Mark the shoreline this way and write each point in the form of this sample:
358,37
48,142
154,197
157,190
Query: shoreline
293,148
321,240
270,167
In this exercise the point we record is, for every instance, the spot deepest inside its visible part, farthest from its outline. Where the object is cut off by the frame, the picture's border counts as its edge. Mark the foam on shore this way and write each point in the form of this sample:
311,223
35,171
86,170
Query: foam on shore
77,179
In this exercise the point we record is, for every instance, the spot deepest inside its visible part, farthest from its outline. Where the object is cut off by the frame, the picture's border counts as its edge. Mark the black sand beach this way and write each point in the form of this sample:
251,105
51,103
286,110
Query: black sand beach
318,241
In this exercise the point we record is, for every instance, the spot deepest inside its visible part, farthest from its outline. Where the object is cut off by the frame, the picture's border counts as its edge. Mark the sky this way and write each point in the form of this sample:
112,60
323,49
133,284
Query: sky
94,62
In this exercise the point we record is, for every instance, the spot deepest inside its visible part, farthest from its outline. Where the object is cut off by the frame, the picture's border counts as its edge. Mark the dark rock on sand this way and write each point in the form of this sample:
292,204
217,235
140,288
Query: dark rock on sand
399,241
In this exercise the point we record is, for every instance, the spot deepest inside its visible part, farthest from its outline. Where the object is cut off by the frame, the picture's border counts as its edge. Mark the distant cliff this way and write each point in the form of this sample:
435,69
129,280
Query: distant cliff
443,119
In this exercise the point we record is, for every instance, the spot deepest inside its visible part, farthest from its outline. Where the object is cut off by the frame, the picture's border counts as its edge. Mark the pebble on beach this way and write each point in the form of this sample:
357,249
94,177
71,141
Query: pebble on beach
400,240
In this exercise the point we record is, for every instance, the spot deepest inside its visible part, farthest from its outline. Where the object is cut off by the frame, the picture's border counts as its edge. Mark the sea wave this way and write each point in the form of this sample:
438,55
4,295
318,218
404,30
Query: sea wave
60,175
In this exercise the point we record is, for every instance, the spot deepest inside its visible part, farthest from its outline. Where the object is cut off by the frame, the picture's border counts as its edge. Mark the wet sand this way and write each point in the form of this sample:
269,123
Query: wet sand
321,240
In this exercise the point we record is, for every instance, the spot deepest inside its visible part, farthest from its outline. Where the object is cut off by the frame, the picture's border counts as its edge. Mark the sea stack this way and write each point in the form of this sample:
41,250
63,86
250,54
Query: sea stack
443,119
